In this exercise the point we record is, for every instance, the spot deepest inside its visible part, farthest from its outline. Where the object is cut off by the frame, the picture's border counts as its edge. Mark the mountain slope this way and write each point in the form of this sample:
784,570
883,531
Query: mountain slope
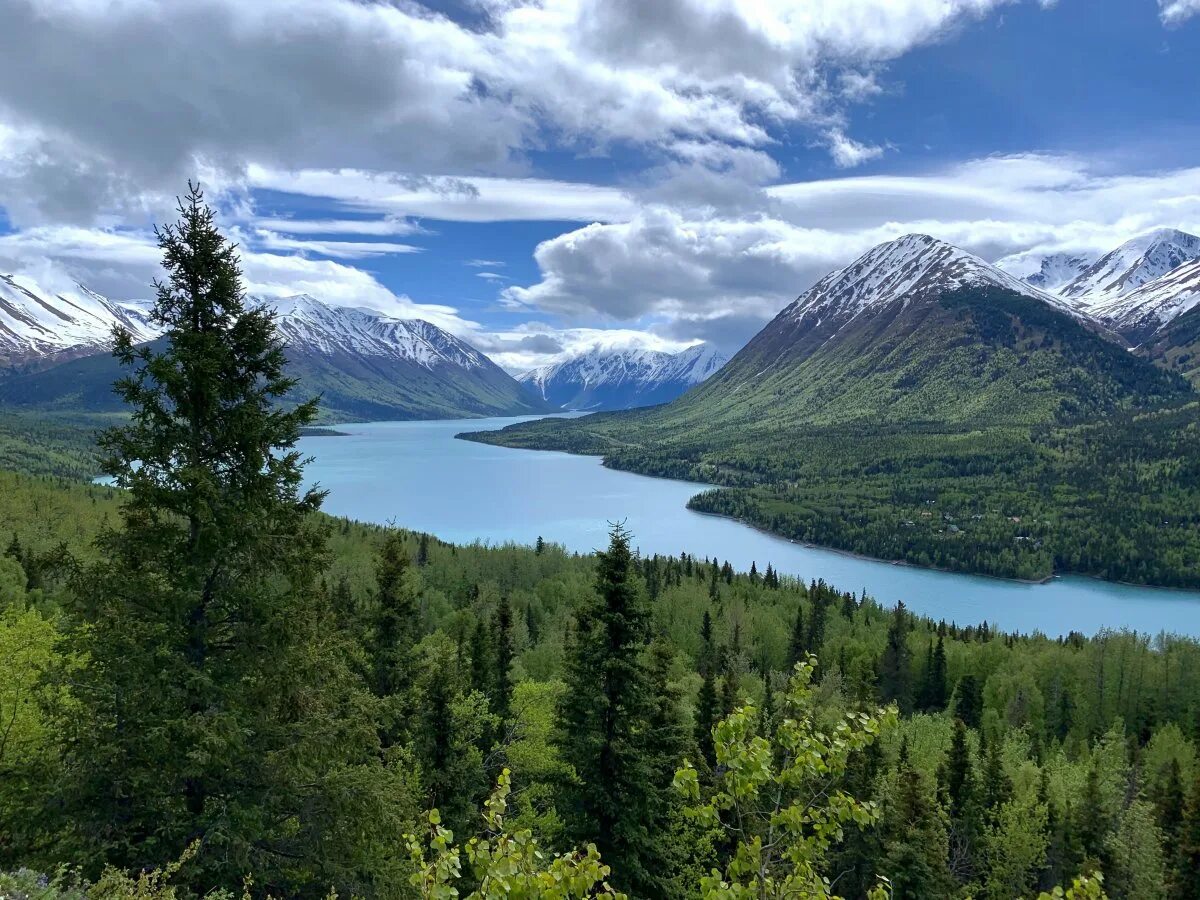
364,364
1145,310
918,330
1050,272
39,327
922,405
1098,288
622,379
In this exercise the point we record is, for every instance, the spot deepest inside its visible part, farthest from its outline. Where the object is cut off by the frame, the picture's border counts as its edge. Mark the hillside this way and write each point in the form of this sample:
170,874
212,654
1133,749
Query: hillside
622,379
919,374
363,364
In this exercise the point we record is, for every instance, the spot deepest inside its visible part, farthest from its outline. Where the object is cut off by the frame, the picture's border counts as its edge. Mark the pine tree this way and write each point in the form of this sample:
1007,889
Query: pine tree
212,700
1185,874
603,721
962,802
933,685
915,843
1092,822
1171,803
968,702
396,631
895,666
707,713
502,692
423,551
540,547
798,648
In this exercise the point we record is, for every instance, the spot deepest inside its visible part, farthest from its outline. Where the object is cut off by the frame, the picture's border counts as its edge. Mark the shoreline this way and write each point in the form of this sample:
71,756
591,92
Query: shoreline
851,554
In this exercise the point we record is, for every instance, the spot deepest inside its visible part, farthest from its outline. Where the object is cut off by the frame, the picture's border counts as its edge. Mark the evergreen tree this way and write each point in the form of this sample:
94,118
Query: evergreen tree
396,632
968,702
1171,803
603,721
1185,871
707,714
798,648
423,551
502,691
933,686
540,547
1091,822
895,666
915,843
212,700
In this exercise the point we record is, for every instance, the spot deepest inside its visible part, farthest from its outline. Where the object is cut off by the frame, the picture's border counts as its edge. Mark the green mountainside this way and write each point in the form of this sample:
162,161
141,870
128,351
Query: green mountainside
946,424
352,387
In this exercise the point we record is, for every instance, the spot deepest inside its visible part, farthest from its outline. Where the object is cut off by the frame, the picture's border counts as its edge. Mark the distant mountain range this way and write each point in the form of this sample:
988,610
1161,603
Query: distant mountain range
606,379
915,328
365,365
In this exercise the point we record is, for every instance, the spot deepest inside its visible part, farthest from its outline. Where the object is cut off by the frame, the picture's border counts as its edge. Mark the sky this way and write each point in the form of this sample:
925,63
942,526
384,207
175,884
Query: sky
542,178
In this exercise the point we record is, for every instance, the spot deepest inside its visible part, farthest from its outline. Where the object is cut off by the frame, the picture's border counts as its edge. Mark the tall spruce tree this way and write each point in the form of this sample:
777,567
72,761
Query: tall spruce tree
1185,868
397,628
895,666
501,695
212,702
603,724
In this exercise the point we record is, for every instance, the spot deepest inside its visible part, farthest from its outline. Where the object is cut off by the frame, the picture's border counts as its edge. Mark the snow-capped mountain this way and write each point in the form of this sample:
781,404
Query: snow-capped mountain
622,379
307,323
39,326
903,271
364,364
1143,311
1049,272
1128,267
917,330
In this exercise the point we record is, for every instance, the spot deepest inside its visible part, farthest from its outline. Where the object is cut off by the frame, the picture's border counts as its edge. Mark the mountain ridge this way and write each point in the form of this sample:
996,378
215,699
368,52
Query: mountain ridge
607,379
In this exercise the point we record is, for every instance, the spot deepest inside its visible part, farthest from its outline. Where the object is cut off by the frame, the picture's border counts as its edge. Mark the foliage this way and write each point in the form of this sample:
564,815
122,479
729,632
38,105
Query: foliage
503,863
777,797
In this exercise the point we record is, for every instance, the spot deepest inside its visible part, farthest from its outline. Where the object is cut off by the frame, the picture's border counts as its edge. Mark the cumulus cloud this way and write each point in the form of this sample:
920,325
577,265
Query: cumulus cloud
142,94
721,277
534,344
847,152
1173,12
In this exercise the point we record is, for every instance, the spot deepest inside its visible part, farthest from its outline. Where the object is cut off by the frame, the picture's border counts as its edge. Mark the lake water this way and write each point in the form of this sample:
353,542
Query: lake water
417,475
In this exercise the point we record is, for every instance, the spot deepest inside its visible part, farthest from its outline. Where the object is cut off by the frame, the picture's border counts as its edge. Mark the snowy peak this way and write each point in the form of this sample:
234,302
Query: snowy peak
908,269
619,379
37,324
308,324
692,366
1144,310
1133,264
1051,272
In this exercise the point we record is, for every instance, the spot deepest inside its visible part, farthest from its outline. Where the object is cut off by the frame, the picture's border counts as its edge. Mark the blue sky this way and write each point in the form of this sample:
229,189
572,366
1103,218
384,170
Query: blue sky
545,178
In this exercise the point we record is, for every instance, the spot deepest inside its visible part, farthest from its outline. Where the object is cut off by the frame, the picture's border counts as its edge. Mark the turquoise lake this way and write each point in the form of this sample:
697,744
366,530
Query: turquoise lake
417,475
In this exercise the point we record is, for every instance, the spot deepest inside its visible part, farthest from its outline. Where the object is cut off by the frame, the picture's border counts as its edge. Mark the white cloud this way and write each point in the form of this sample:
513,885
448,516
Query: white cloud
1173,12
720,277
116,103
455,199
534,344
389,226
847,152
270,240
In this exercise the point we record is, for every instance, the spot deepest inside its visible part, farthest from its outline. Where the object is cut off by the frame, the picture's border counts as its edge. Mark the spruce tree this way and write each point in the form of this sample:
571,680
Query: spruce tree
915,845
798,647
396,631
603,724
211,701
502,691
1185,874
895,666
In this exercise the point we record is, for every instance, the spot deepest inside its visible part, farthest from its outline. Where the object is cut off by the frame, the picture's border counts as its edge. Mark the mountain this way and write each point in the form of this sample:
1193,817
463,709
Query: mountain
1143,311
39,327
622,379
918,330
364,364
1047,272
914,331
1099,288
